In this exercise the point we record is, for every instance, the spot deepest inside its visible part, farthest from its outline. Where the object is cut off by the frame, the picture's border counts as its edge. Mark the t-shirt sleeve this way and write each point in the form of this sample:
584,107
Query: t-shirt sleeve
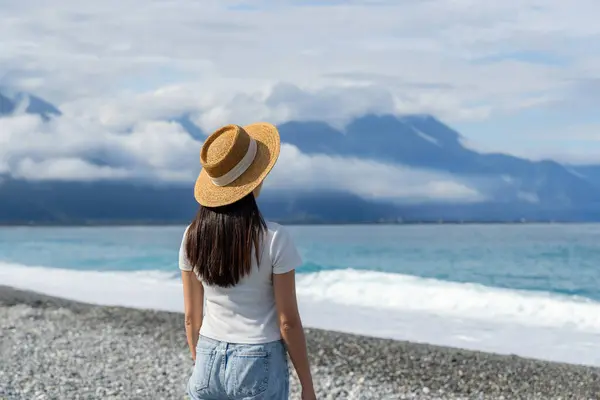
284,254
184,263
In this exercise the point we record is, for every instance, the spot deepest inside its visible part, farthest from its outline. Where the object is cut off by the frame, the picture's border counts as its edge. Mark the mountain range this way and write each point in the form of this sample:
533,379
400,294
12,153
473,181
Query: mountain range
514,188
32,105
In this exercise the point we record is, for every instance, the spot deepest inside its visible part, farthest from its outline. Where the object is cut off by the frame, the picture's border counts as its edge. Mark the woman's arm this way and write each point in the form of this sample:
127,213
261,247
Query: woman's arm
284,286
193,298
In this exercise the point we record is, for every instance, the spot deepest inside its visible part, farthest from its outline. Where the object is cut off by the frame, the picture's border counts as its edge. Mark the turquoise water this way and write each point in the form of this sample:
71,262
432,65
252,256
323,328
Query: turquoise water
562,259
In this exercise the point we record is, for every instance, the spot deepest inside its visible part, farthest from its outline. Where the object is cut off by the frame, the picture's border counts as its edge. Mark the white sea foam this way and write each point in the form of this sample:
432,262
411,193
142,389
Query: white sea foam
396,292
387,305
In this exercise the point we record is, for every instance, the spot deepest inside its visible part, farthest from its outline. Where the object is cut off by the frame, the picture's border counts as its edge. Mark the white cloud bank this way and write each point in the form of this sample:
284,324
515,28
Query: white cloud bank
367,179
62,149
83,149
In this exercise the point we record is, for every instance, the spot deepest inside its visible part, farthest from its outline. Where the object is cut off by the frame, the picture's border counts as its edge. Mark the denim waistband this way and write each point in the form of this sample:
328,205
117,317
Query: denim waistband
217,342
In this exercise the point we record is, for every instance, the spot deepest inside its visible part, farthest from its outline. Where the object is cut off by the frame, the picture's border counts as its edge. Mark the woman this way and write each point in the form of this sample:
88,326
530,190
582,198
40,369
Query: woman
238,276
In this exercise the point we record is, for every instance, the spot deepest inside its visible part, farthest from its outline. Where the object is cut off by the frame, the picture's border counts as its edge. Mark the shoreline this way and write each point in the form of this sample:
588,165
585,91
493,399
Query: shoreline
57,348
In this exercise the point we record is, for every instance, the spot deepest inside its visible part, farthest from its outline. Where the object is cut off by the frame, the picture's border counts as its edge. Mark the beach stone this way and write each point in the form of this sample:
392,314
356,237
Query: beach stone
56,349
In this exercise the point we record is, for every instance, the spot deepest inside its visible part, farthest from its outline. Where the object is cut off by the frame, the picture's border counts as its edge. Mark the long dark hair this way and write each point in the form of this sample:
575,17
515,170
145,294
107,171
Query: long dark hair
220,241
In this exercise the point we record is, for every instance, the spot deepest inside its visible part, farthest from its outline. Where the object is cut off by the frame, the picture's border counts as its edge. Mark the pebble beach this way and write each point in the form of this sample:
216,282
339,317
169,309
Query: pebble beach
52,348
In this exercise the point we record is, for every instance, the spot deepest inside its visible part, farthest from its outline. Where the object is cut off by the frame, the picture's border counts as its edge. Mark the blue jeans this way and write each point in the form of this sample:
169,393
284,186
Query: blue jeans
239,371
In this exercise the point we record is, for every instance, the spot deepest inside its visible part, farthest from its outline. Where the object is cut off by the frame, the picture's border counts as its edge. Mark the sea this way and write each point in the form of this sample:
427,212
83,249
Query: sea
529,290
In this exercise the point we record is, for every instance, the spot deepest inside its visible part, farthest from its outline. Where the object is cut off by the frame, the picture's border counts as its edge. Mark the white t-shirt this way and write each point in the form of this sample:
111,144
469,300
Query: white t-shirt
245,313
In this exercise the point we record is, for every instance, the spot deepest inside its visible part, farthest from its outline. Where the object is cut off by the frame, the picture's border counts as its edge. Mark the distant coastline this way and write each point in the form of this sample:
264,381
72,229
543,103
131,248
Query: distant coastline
125,223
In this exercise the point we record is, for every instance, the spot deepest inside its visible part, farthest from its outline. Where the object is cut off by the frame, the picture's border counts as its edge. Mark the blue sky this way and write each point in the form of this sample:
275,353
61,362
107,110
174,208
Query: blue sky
517,76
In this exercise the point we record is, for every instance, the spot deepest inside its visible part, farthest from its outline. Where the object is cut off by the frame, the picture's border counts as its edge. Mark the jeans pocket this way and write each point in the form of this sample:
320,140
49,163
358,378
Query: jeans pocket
202,370
252,364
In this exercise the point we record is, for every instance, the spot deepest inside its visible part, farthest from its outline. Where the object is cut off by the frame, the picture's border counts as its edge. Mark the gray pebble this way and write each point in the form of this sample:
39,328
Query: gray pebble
57,349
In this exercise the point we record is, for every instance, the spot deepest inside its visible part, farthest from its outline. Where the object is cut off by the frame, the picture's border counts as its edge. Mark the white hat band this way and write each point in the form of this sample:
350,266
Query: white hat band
240,167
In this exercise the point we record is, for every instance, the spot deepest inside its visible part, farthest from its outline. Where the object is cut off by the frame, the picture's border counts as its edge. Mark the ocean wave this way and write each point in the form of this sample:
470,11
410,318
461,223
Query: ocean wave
158,290
387,292
397,292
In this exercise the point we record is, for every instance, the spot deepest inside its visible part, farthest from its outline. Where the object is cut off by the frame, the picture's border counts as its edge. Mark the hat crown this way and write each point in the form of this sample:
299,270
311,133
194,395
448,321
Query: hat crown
235,161
224,150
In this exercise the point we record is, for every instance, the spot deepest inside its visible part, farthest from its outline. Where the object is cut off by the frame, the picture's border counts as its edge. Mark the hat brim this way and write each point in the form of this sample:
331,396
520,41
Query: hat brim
268,146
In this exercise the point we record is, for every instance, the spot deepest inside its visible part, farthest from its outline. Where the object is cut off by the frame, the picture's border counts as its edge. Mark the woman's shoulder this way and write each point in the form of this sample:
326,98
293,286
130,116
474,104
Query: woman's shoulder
273,226
278,235
282,249
275,230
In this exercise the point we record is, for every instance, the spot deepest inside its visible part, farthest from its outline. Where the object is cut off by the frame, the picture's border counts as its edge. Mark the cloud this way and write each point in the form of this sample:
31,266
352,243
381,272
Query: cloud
558,139
68,169
81,148
367,179
287,102
426,54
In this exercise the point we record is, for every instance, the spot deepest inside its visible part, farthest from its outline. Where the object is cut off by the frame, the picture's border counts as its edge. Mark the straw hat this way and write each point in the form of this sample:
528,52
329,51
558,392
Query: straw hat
235,161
